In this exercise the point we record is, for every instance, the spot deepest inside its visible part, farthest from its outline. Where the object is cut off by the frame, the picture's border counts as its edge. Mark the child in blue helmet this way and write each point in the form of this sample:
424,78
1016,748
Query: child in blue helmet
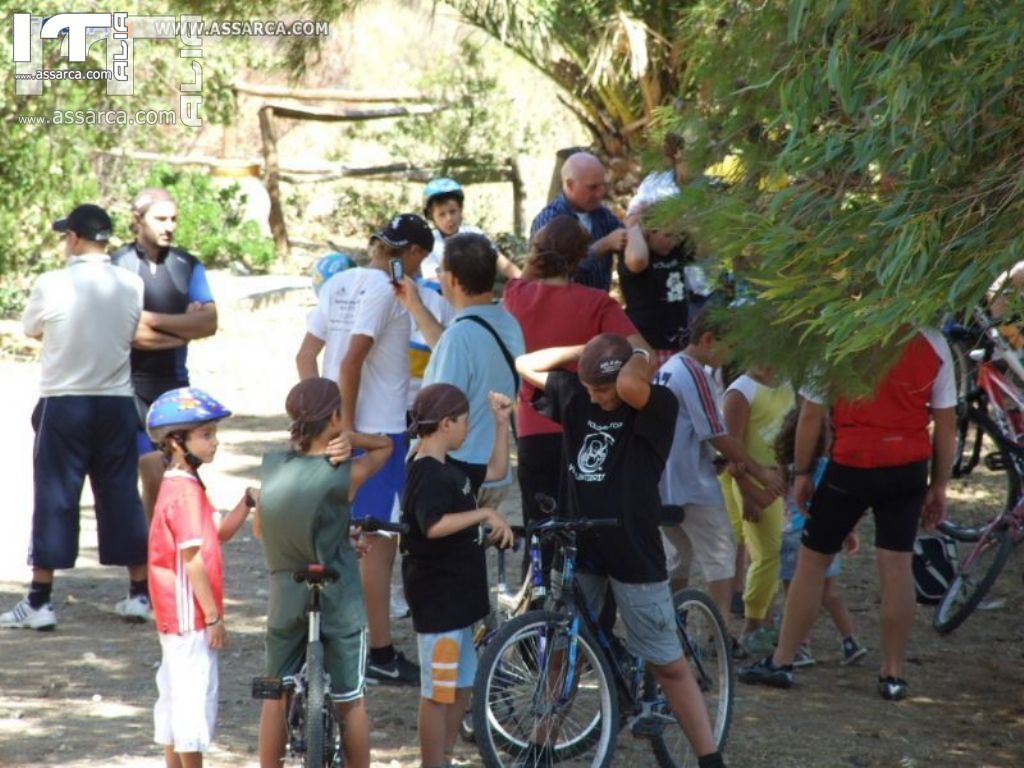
443,199
187,573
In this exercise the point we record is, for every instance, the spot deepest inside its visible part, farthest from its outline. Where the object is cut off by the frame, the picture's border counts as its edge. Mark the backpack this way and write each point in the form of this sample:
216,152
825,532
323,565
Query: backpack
934,567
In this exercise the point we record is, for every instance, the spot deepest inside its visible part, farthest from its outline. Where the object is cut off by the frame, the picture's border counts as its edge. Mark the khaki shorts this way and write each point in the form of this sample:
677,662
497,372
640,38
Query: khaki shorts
706,535
646,611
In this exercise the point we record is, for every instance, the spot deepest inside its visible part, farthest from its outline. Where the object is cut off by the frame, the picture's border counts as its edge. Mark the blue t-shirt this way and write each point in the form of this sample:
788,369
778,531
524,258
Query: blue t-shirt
468,357
796,518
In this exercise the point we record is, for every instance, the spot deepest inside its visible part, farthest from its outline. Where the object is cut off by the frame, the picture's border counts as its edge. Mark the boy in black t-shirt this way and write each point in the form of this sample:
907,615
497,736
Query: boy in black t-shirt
618,430
442,558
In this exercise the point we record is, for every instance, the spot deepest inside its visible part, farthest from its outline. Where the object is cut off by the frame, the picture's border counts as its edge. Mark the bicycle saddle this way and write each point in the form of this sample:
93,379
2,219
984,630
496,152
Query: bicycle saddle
315,573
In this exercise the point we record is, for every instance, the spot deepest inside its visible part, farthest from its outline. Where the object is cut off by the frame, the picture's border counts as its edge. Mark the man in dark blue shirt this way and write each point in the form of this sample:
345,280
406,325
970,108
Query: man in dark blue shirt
583,189
177,308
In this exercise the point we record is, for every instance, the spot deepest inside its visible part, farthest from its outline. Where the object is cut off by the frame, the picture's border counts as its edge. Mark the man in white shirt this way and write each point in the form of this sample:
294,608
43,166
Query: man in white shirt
86,315
364,331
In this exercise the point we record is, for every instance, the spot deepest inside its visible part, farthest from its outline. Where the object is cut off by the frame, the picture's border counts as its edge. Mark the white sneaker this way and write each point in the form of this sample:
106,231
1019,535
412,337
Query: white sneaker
24,616
399,606
135,609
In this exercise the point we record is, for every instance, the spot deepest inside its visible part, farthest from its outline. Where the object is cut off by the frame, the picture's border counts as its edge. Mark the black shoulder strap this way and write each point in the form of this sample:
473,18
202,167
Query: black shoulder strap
501,345
508,359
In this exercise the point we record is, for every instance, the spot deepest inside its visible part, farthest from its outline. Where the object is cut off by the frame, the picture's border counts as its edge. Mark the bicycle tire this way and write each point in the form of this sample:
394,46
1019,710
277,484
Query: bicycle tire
315,715
975,576
708,651
506,688
977,498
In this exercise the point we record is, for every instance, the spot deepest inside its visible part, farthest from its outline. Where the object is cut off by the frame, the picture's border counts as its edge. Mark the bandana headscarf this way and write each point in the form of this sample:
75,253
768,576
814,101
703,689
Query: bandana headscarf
312,400
434,403
603,358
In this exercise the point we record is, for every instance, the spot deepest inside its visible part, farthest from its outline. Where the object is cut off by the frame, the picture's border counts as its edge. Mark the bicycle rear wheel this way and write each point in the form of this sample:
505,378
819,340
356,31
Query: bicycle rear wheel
977,573
520,705
992,488
319,726
707,649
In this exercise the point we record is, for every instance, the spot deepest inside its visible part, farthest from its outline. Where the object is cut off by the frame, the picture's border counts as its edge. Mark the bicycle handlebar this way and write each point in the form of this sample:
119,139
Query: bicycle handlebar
373,525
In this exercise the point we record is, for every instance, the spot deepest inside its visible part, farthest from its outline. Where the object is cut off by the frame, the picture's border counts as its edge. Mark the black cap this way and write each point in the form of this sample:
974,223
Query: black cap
407,229
88,221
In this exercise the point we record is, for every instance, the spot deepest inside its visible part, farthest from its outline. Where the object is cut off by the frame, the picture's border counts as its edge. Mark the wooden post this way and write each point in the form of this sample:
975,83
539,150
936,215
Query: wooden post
518,223
272,173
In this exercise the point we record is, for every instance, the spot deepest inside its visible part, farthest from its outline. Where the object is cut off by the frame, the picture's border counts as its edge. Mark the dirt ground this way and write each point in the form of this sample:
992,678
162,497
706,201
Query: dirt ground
82,695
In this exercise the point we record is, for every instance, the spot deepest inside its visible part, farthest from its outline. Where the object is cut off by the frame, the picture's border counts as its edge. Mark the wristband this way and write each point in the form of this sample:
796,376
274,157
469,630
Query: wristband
250,502
642,351
214,622
799,472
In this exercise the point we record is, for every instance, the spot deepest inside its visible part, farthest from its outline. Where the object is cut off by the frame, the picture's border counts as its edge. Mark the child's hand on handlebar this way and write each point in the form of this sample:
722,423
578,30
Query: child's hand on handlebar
339,450
501,534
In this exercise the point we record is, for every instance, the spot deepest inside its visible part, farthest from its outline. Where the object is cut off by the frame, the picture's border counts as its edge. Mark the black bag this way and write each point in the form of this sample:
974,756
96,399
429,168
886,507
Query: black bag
934,567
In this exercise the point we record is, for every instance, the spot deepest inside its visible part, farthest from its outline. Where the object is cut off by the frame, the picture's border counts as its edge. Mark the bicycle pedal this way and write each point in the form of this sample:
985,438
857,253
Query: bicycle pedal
267,687
995,461
649,726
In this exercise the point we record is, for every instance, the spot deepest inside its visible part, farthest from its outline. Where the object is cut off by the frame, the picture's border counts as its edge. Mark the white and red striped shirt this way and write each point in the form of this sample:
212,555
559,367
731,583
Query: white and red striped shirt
689,476
183,518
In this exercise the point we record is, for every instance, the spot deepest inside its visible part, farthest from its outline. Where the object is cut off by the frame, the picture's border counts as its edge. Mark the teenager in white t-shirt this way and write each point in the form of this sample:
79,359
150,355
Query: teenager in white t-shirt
364,333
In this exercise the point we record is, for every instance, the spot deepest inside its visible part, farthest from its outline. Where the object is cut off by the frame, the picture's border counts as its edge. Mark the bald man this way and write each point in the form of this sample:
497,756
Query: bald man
583,188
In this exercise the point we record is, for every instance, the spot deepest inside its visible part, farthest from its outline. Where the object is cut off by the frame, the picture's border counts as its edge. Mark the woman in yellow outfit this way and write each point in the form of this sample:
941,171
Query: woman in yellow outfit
755,407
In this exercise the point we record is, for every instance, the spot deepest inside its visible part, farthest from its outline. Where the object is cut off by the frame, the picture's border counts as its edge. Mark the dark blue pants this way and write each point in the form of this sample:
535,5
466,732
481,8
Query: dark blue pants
79,436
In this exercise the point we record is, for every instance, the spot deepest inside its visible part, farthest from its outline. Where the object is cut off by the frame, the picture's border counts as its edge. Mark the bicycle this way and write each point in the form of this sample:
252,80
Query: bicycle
555,675
314,734
990,429
979,569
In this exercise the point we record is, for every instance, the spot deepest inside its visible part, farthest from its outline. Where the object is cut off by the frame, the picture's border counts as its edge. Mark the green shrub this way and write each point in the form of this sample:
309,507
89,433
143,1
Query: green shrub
210,223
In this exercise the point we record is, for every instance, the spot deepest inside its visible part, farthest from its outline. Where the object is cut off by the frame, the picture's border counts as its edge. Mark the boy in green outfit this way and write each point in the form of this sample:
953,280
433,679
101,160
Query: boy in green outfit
303,517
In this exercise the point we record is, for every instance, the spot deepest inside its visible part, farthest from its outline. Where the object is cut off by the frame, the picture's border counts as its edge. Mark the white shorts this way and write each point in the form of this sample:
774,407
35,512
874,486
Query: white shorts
185,713
706,535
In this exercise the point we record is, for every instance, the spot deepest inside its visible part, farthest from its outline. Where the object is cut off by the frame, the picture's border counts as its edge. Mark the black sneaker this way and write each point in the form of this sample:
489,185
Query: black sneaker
399,671
765,672
893,688
739,653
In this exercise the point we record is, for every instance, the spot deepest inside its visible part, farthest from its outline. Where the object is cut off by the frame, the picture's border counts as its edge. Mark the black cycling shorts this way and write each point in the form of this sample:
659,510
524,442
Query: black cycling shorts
894,494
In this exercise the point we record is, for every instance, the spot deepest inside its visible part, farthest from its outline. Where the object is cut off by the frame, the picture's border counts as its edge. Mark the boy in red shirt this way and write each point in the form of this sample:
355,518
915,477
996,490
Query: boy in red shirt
187,573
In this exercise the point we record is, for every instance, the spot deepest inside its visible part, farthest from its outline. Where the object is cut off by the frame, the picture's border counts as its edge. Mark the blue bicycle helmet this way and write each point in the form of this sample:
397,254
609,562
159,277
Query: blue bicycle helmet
328,266
441,187
181,409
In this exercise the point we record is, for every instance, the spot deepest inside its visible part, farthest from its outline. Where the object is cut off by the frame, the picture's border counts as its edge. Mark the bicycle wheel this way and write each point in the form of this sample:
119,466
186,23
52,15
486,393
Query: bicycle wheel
977,573
707,648
519,701
319,718
990,490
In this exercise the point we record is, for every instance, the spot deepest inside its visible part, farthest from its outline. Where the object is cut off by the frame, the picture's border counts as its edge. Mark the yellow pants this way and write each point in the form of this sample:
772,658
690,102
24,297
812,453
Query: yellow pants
763,541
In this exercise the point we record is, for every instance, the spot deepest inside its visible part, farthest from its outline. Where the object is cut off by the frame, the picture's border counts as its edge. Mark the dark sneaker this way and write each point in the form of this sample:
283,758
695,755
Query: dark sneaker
765,672
893,688
852,652
400,671
739,653
804,657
